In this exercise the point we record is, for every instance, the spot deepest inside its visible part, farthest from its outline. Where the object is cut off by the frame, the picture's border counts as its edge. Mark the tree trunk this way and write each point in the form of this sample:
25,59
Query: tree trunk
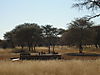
34,48
22,47
53,48
96,45
29,48
28,44
49,49
80,48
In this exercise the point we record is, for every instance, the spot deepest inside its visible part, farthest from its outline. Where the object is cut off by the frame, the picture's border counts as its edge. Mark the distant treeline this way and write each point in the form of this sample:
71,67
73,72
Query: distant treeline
80,32
32,35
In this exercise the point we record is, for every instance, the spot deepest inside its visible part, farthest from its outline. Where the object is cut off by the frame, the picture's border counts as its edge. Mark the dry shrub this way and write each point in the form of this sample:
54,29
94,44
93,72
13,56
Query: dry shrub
55,67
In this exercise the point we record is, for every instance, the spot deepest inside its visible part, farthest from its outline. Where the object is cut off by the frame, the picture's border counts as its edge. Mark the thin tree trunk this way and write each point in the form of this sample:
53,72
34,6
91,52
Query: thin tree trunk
22,47
34,48
80,48
29,48
80,43
53,48
28,45
49,49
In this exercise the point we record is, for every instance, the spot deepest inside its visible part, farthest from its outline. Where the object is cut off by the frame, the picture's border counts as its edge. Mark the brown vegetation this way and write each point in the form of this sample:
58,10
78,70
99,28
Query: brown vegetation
75,66
6,54
72,67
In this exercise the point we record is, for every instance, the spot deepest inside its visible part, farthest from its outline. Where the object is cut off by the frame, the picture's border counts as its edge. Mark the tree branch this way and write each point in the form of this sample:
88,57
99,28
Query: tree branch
93,17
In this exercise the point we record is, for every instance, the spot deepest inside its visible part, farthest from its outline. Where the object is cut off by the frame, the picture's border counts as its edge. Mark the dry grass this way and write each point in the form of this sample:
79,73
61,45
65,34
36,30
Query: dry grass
66,49
71,67
5,54
55,67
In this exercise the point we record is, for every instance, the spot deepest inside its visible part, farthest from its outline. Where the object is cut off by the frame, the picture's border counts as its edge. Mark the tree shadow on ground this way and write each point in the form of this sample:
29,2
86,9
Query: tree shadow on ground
82,54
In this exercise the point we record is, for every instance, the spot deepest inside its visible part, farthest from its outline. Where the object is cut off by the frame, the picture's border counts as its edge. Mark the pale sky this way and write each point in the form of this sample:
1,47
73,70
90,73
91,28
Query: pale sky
54,12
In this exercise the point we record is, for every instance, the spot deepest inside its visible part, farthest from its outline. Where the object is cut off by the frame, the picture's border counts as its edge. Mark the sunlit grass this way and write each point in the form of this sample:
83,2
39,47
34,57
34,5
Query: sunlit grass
8,53
66,49
51,67
55,67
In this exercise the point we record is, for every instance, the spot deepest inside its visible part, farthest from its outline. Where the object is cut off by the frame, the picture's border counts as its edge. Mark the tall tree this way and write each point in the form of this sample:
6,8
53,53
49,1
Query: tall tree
50,35
28,34
79,33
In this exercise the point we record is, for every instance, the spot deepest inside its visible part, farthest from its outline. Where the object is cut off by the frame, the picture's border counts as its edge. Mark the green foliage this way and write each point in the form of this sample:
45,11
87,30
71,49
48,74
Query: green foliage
28,34
79,33
96,29
51,35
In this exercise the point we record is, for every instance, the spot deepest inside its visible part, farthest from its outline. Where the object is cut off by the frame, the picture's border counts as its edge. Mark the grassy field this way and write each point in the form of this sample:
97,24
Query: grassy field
81,66
5,54
54,67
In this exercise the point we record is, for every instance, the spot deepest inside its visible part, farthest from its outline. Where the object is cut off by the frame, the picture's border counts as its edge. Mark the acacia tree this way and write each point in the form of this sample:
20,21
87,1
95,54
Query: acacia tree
78,33
50,36
28,34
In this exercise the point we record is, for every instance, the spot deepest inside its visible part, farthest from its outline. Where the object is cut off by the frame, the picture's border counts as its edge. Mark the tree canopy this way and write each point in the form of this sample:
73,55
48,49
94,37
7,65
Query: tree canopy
79,33
51,35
